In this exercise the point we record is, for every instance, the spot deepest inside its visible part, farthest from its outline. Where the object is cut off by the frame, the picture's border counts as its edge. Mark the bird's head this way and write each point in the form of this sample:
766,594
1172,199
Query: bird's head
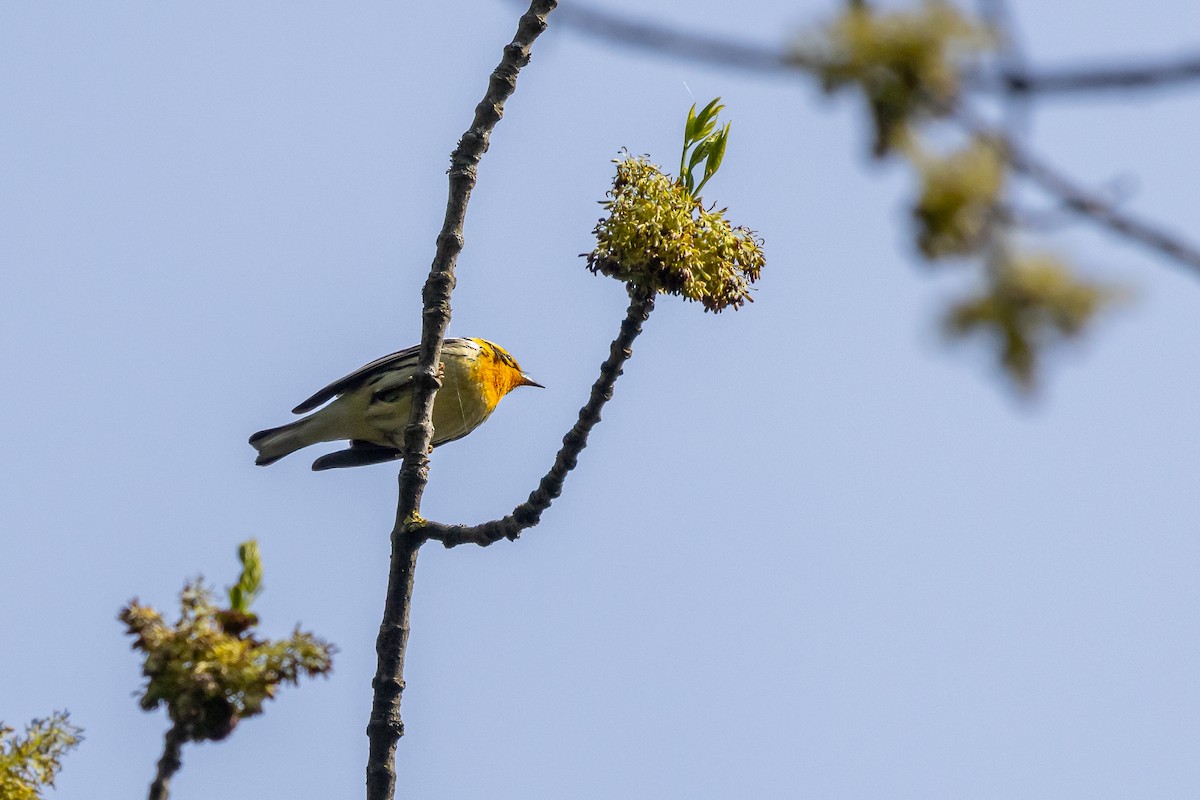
498,372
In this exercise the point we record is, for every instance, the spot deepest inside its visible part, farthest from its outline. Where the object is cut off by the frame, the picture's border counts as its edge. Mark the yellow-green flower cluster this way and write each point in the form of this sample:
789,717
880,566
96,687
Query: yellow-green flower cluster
30,762
907,63
1032,302
959,197
208,669
661,239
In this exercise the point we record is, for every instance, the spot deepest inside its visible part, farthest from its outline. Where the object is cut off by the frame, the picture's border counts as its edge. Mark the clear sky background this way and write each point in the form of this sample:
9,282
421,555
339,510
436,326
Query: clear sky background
811,551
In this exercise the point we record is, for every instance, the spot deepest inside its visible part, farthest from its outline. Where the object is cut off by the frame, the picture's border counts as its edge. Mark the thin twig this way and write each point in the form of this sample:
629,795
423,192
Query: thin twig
1122,77
385,726
1084,203
529,513
169,764
674,42
1075,198
1010,60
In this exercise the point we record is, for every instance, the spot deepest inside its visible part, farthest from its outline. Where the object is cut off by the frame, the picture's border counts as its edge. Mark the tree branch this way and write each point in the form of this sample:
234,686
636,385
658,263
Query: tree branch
169,764
1083,203
1010,59
529,513
1075,198
676,43
1118,77
385,726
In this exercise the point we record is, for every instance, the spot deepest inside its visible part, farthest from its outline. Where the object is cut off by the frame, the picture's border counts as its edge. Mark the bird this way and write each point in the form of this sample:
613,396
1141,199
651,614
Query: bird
371,405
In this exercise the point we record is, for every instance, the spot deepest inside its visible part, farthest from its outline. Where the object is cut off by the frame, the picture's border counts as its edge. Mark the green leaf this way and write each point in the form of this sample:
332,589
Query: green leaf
249,583
718,149
688,127
30,762
704,141
712,109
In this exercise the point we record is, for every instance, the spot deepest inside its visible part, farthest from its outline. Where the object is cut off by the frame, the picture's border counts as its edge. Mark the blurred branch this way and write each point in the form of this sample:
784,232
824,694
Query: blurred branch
1100,78
721,51
1075,198
170,762
385,726
1010,60
1086,204
673,42
528,514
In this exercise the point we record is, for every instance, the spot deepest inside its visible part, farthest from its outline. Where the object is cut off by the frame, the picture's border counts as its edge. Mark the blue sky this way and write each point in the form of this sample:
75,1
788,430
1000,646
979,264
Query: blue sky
811,551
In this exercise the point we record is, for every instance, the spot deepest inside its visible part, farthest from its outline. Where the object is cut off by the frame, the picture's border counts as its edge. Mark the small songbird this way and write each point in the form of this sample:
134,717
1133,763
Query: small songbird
371,406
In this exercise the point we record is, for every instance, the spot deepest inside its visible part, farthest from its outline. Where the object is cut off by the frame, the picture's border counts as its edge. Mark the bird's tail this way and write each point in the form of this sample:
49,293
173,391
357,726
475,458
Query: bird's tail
275,443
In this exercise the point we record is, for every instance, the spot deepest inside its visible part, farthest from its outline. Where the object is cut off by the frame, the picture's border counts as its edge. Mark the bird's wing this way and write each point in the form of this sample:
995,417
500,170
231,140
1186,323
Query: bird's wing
401,360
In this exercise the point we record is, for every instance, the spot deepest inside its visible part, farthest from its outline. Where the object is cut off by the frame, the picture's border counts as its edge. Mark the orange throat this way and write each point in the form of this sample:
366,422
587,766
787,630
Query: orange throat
495,379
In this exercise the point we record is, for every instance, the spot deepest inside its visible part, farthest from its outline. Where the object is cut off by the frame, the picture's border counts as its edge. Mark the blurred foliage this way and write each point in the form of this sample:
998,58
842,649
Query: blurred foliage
959,199
907,63
29,762
1031,302
659,237
209,669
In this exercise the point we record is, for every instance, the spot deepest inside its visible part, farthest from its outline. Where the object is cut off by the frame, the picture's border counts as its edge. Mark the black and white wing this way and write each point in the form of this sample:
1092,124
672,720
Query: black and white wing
402,360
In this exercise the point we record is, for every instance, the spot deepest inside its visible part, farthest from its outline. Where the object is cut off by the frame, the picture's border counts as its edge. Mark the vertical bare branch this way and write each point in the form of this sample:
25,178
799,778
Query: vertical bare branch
464,162
385,726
